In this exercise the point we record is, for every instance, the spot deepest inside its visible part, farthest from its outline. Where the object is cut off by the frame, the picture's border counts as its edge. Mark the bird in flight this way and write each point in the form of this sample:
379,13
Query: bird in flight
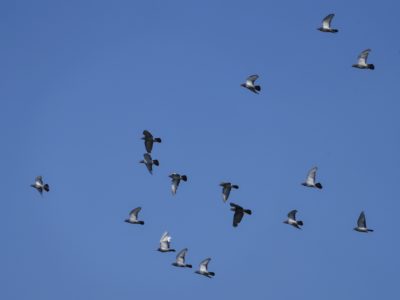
149,140
362,61
291,220
226,189
249,84
362,224
310,181
180,259
326,24
176,179
40,186
203,269
133,216
239,212
165,243
149,162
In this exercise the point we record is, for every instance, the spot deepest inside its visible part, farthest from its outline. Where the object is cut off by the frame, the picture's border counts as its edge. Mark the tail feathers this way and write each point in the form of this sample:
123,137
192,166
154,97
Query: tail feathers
140,222
370,230
157,140
371,66
258,88
184,177
46,187
188,266
211,273
235,186
300,223
156,162
247,211
335,30
318,185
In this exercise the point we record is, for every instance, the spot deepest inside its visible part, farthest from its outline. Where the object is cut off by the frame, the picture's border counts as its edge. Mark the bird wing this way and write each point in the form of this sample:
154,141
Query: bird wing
226,191
204,265
147,134
148,143
165,237
180,257
250,80
235,206
39,179
292,214
311,176
147,158
133,215
237,217
362,58
326,22
175,184
361,221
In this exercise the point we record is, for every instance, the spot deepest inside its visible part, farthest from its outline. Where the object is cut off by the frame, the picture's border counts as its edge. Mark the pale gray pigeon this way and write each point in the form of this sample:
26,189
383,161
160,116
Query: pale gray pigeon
362,224
310,181
176,179
326,24
39,185
133,216
180,259
250,85
362,61
292,220
165,243
226,189
203,269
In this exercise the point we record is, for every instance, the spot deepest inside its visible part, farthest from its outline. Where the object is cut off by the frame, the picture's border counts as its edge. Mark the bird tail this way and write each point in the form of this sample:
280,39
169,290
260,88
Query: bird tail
300,223
184,177
371,66
334,30
258,88
140,222
235,186
370,230
247,211
46,187
318,185
211,273
156,162
188,266
157,140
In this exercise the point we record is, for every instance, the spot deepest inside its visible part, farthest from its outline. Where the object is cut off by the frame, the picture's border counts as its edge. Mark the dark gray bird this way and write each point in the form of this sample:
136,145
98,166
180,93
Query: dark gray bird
292,220
226,189
310,181
176,179
133,216
180,259
362,61
239,212
362,224
149,162
326,24
249,84
149,140
40,186
165,243
203,269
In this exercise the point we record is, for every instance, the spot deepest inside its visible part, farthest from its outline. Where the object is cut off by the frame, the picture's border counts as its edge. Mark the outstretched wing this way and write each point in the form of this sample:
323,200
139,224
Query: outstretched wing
292,214
174,185
180,257
250,80
362,58
147,134
326,22
237,217
311,176
361,221
226,191
39,179
165,237
204,265
133,215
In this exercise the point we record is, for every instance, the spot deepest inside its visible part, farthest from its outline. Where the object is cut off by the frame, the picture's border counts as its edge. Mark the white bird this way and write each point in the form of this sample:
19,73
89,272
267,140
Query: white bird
362,224
310,181
149,140
40,186
180,259
133,216
292,220
149,162
226,189
362,61
326,24
176,179
249,84
203,269
165,243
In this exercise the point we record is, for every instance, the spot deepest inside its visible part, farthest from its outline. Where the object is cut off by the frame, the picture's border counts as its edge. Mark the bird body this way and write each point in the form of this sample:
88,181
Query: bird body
239,213
133,216
250,84
203,269
148,161
175,180
310,180
291,220
40,186
362,61
362,224
226,189
165,243
149,140
326,24
180,259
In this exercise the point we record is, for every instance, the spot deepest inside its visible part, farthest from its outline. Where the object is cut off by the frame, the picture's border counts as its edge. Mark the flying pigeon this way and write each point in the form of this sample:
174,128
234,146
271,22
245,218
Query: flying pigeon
239,212
203,269
326,24
310,181
249,84
133,216
180,259
292,220
165,243
148,161
362,224
149,140
176,179
362,61
226,189
39,185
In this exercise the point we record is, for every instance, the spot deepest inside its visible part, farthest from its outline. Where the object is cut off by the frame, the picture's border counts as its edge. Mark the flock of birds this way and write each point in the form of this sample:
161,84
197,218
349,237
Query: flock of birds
239,211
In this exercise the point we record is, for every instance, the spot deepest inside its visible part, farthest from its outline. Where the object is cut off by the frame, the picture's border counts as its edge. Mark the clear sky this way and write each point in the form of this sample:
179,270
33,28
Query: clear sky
81,80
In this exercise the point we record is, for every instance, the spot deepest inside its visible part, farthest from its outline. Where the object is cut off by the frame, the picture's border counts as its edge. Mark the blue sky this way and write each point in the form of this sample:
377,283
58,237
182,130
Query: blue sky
79,82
